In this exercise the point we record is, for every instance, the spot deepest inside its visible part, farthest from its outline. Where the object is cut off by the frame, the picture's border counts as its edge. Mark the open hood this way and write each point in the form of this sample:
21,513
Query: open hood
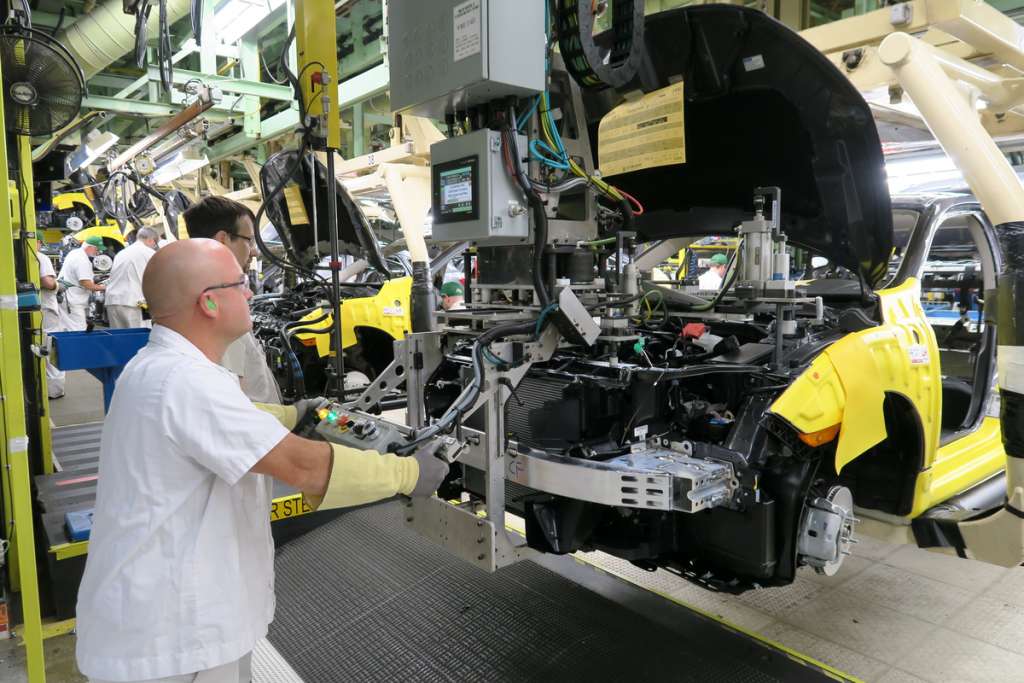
763,108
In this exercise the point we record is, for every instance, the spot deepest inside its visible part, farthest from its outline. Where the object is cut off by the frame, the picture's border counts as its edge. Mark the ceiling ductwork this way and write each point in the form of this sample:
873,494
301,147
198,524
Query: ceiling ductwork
106,34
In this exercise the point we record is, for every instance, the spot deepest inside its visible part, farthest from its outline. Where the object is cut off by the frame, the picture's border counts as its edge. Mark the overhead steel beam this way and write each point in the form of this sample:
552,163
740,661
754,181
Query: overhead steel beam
136,107
356,89
272,127
367,84
144,109
105,80
229,84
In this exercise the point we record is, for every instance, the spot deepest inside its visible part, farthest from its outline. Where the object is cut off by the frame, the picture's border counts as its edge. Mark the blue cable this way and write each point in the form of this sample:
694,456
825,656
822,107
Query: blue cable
540,156
526,117
553,127
543,315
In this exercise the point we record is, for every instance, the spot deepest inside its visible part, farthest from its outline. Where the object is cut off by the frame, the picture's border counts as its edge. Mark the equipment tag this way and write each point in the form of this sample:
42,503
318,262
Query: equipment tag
918,354
466,29
643,134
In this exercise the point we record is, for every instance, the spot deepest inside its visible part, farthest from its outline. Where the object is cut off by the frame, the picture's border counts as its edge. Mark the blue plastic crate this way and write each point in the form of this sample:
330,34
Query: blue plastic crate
78,524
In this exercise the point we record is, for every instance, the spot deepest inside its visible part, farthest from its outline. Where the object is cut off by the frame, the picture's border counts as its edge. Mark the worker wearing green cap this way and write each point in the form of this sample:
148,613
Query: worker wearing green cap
452,296
79,281
711,279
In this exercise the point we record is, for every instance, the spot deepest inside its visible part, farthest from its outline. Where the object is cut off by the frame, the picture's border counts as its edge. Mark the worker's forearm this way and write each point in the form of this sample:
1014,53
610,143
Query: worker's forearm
91,286
298,462
318,472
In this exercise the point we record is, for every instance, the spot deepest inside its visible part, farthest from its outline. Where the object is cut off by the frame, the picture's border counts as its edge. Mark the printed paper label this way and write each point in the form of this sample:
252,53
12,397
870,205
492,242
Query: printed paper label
918,354
466,34
646,133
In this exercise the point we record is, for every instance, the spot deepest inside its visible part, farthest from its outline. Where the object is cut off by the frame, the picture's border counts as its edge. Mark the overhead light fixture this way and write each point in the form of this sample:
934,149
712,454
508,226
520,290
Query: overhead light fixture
177,166
920,171
235,18
94,146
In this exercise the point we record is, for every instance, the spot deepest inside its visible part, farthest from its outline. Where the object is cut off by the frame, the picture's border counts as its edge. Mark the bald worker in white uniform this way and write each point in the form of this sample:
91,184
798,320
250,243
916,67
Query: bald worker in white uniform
179,581
124,287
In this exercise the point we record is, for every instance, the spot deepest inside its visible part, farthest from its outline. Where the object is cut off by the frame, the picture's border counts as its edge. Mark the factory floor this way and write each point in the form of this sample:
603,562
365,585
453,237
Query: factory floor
893,614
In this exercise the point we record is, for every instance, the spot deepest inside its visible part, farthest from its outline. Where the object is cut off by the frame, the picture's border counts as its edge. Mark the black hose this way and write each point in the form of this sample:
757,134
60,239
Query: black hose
540,217
196,12
60,22
467,399
165,59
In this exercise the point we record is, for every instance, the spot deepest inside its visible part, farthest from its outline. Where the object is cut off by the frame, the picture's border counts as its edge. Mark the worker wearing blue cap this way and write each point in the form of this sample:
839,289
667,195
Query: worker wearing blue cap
79,282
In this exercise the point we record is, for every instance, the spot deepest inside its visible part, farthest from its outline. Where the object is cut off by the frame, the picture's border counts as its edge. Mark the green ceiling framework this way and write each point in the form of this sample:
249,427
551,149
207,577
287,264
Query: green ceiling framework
265,110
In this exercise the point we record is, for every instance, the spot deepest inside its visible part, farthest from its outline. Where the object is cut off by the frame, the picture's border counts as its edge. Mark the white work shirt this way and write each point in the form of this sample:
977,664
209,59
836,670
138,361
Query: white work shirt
77,267
124,286
48,297
247,359
709,281
180,573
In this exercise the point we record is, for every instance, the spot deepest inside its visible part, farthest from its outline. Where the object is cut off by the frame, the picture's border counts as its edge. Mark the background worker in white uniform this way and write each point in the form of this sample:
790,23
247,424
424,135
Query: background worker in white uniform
453,296
124,287
51,320
179,581
78,281
711,279
233,225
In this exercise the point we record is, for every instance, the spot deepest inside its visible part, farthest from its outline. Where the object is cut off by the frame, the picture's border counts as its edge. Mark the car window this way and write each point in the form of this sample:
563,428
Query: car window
952,293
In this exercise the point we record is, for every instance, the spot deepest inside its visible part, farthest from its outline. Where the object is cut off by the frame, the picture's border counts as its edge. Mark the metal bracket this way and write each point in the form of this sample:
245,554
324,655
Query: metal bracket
392,377
467,535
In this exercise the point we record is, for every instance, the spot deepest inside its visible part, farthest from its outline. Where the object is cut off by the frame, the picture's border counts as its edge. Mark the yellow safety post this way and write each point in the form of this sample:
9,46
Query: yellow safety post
27,202
14,445
316,39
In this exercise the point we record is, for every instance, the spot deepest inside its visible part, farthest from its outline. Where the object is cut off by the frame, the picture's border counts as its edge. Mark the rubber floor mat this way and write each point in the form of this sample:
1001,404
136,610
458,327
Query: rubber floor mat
362,598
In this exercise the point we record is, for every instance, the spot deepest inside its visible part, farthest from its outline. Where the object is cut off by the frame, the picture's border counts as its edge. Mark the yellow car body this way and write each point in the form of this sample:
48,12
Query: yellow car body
109,232
387,311
842,392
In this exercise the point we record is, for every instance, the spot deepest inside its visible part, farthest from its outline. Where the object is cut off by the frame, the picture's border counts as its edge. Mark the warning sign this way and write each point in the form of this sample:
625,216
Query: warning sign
289,506
643,134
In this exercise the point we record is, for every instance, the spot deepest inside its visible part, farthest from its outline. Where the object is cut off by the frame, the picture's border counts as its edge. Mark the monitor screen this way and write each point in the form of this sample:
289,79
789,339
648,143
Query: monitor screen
456,190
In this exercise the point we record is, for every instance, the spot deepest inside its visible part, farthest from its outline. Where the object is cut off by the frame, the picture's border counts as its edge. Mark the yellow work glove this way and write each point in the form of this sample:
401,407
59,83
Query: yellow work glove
288,416
359,477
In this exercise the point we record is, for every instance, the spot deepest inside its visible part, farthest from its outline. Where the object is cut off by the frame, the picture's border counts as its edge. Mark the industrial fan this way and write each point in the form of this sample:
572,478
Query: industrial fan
43,85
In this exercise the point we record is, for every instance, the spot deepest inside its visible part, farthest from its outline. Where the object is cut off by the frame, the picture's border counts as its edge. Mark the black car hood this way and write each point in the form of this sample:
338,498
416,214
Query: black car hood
796,123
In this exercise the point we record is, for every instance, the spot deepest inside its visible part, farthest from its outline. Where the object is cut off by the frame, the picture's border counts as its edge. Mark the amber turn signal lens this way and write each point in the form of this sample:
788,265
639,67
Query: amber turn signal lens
822,436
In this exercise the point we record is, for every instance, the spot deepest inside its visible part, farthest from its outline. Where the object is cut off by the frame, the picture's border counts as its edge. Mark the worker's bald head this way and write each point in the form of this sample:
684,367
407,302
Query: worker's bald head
177,274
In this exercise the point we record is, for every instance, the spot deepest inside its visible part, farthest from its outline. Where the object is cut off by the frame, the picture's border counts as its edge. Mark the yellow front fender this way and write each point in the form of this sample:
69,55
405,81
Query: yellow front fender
847,383
387,311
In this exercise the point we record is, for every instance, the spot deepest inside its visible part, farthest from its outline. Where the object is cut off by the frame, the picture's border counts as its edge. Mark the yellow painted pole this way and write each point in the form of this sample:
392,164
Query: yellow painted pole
27,199
15,439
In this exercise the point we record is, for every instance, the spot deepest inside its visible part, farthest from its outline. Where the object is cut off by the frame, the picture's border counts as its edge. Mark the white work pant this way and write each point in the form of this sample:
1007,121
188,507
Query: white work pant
54,380
54,377
121,317
74,318
239,671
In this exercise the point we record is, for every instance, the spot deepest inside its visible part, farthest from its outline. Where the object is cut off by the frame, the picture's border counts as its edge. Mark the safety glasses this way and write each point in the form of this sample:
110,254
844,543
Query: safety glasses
242,281
250,239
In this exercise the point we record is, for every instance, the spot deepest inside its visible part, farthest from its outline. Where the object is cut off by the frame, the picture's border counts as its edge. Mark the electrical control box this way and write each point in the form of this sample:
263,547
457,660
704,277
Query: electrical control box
473,197
446,56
